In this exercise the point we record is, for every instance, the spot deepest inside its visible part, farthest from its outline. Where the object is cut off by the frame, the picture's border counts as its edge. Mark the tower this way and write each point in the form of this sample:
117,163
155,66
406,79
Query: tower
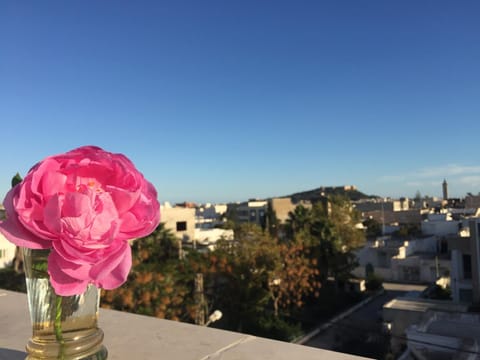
445,189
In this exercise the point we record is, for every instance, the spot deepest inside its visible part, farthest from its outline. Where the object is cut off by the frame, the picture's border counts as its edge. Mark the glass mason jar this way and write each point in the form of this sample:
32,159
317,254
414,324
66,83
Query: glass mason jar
64,327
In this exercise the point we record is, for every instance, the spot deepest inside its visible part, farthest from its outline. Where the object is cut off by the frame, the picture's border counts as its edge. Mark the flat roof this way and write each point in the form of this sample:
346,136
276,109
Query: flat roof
423,305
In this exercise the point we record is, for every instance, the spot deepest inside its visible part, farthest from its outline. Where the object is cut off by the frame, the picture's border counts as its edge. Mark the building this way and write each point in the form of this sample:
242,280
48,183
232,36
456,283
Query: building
7,249
445,335
369,205
421,267
415,261
401,313
209,237
252,211
445,189
284,206
379,254
440,224
180,221
7,252
472,201
209,216
387,217
465,275
431,329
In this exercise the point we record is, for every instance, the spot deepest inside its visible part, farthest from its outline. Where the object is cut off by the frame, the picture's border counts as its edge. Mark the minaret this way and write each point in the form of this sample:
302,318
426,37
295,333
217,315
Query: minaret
445,189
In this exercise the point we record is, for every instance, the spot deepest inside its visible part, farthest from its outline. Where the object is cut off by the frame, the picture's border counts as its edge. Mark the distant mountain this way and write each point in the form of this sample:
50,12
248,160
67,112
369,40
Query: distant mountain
350,192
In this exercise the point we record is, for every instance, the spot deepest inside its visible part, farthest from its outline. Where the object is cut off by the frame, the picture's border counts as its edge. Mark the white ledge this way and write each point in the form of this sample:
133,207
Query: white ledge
130,336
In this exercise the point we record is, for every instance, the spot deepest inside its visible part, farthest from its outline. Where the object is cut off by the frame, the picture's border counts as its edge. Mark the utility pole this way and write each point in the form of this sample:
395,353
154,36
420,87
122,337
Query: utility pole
180,250
199,300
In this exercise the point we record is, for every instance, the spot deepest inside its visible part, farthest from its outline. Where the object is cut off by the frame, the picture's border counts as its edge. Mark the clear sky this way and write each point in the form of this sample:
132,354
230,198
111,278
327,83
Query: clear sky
229,100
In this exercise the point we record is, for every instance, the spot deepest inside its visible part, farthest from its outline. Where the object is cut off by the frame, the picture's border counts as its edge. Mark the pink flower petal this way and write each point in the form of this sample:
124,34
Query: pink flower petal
15,232
123,199
118,275
75,271
51,215
53,181
106,218
76,204
63,284
72,253
36,177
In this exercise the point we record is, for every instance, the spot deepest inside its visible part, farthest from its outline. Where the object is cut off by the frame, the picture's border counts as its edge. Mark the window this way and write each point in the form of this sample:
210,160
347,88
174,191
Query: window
181,226
467,266
253,215
443,247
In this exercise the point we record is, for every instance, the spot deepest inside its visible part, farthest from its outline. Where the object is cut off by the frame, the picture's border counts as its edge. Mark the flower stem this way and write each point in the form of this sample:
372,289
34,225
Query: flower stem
58,326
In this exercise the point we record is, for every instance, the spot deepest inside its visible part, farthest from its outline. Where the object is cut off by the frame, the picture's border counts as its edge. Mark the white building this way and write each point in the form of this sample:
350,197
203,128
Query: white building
209,237
440,224
7,252
379,254
209,216
179,220
417,260
445,335
465,276
367,205
401,313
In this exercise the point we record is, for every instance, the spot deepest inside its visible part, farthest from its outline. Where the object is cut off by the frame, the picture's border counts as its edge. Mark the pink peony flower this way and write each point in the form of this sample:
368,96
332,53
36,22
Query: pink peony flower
85,205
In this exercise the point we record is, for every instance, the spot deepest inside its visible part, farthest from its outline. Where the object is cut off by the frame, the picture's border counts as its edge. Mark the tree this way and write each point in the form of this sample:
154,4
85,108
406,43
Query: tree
374,228
299,220
262,273
330,233
407,230
254,281
16,179
158,284
271,221
418,198
17,262
294,277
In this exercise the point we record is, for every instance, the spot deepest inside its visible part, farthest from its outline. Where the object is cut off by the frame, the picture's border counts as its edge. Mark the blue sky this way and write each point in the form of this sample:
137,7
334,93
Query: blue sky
228,100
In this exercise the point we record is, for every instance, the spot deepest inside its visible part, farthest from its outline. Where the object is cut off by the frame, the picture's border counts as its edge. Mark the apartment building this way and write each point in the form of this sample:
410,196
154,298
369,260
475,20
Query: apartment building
180,220
252,211
465,275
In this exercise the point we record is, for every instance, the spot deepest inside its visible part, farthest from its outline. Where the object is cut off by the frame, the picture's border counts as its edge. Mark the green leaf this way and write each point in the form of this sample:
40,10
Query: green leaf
17,179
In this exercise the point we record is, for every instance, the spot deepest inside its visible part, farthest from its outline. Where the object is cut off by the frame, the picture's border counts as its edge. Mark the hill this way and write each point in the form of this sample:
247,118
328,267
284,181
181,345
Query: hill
351,192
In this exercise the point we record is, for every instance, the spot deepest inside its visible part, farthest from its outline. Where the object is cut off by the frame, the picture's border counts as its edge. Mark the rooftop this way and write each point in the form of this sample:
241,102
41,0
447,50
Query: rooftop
130,336
445,335
423,305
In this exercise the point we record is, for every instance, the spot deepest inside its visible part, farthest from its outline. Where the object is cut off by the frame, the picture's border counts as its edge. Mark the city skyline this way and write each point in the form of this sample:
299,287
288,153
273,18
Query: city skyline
221,102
